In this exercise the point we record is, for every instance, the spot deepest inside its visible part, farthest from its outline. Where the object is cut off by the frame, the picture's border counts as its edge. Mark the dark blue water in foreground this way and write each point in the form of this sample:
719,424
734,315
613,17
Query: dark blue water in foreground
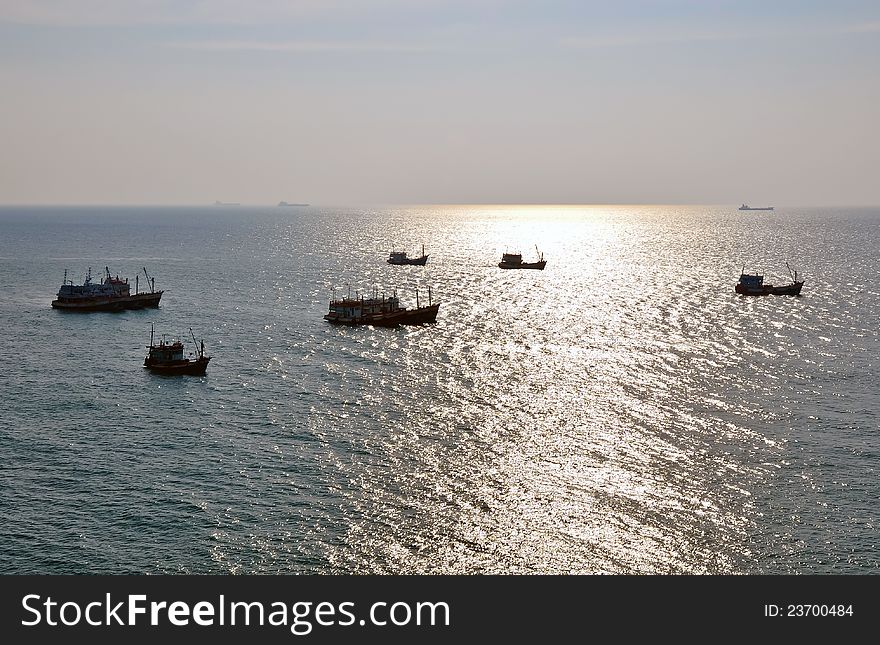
623,411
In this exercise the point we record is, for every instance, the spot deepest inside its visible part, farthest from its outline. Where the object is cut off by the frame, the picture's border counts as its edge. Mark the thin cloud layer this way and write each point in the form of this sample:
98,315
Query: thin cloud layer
83,13
300,46
159,12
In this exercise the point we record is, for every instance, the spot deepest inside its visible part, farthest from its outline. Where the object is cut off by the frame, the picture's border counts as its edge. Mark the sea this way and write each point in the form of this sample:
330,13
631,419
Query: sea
623,411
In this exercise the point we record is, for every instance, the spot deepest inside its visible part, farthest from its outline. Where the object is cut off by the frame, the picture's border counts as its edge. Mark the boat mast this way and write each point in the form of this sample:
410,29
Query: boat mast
417,297
429,296
150,281
151,335
137,277
197,342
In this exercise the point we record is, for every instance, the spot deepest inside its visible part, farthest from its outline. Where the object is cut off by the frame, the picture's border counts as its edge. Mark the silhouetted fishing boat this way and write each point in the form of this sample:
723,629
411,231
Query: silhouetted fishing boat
746,207
753,285
400,257
112,294
380,312
167,357
515,261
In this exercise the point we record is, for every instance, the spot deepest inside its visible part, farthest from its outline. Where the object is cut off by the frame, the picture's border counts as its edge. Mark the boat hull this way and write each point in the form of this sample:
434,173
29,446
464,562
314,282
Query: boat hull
414,261
420,316
793,289
183,368
523,265
137,301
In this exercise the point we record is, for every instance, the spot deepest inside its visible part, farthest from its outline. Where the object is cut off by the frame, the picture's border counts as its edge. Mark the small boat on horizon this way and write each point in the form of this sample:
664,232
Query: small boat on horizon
753,285
112,294
515,261
167,357
401,258
282,203
380,312
746,207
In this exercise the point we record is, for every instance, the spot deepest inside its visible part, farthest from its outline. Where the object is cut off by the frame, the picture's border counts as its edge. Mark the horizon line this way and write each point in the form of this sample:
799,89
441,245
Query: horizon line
401,204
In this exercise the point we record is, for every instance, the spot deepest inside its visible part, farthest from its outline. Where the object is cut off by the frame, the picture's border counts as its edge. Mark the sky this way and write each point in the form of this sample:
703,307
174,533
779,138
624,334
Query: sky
350,102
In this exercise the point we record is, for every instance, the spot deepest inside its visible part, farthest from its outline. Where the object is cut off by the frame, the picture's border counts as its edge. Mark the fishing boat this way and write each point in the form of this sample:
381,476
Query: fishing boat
380,311
746,207
753,285
111,294
400,257
167,357
515,261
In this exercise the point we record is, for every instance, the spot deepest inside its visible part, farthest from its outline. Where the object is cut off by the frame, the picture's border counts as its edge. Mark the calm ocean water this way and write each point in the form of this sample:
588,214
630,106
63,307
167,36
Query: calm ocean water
623,411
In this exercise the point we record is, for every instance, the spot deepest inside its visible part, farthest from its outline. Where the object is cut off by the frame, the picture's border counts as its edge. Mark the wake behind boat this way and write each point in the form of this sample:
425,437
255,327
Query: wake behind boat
112,294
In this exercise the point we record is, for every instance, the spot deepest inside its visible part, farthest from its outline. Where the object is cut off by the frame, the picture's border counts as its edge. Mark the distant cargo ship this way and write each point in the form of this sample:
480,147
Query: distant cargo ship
287,204
746,207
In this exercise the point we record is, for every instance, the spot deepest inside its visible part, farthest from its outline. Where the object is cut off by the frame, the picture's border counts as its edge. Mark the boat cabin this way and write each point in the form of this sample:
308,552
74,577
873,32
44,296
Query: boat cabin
751,281
84,291
363,307
166,352
120,287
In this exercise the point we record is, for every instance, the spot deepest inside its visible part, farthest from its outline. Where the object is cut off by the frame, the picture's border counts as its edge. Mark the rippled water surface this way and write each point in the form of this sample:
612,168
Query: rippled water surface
622,411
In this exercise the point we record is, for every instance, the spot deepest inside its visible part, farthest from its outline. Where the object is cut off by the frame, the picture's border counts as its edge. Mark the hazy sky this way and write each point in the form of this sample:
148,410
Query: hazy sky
439,101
